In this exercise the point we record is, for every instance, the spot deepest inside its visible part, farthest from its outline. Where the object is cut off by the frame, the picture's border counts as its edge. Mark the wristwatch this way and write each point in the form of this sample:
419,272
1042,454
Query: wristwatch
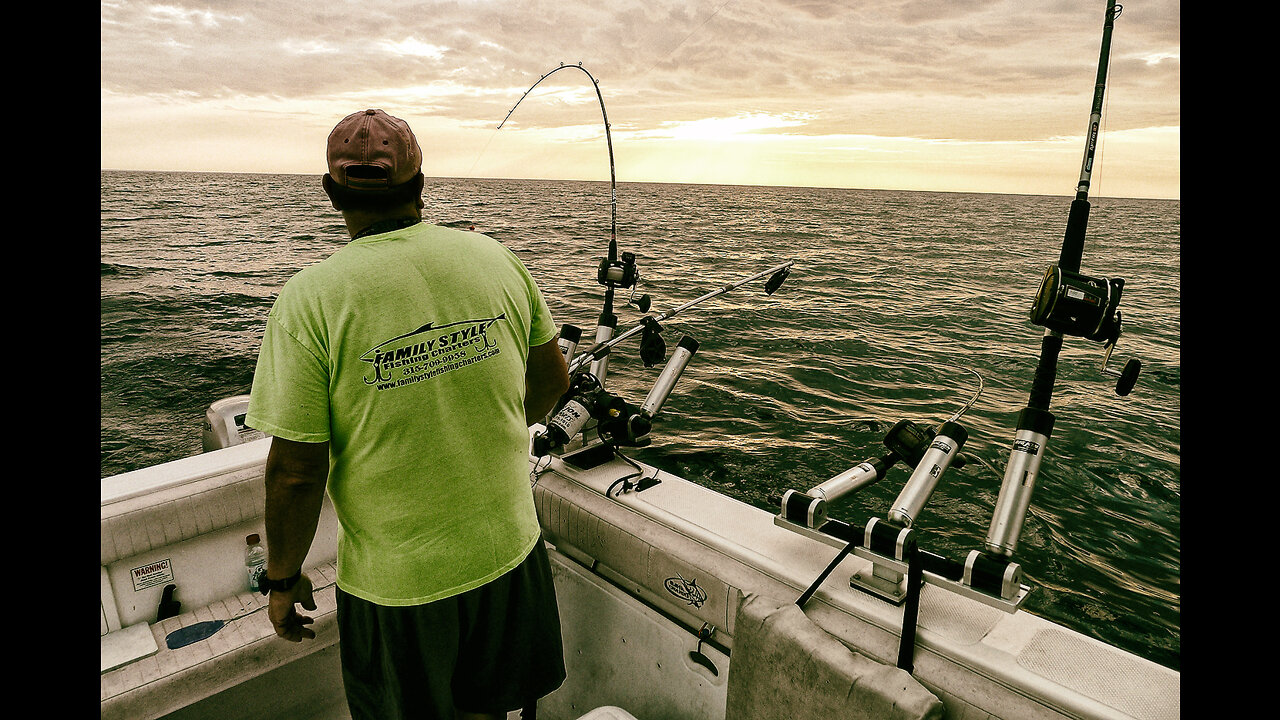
266,584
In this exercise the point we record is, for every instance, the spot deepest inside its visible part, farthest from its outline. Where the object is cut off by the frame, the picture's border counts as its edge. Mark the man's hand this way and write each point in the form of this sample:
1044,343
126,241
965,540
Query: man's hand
285,618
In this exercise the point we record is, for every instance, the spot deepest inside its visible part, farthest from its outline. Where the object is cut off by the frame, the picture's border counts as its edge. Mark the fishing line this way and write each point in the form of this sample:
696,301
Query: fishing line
484,149
965,407
686,38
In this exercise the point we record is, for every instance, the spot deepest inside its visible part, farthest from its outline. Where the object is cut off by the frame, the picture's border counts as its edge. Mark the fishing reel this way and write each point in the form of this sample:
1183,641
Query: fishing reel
618,273
622,274
618,422
586,400
1072,303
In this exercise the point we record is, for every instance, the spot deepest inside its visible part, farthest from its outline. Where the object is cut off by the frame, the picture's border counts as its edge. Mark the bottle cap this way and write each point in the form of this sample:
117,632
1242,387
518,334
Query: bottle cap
252,539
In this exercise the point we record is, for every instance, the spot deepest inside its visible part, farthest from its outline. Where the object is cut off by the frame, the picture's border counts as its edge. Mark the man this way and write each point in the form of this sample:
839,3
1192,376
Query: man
402,373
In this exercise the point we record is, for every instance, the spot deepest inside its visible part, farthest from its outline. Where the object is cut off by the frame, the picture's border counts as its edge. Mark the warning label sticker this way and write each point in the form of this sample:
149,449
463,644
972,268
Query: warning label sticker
152,574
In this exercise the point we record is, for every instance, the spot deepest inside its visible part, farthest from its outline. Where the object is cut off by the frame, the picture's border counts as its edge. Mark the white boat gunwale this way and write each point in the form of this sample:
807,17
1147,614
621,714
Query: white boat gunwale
956,636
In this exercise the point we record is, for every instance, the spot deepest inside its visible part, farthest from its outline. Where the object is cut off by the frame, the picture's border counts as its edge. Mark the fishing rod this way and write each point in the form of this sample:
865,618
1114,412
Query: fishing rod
651,344
1067,303
613,272
619,422
613,185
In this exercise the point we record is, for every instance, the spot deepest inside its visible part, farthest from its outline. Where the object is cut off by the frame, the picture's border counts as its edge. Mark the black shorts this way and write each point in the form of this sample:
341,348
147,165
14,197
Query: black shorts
493,649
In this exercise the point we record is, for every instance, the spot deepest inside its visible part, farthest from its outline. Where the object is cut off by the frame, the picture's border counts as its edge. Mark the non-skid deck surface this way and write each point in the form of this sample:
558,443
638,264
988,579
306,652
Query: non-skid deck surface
171,679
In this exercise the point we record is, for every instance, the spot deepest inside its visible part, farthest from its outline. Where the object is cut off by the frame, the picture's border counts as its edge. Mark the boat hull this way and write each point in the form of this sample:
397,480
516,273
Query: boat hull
639,576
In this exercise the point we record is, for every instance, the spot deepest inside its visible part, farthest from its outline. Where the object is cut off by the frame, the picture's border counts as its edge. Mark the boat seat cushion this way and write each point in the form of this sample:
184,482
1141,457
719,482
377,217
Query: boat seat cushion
785,667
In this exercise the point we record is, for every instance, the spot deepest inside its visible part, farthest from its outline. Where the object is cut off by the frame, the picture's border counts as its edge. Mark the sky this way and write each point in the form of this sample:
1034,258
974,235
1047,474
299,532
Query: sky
941,95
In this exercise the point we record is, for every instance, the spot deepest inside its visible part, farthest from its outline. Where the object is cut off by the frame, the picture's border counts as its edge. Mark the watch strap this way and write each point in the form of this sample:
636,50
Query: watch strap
266,584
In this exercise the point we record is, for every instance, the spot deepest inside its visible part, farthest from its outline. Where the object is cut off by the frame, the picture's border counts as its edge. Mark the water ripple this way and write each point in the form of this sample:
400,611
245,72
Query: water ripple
892,297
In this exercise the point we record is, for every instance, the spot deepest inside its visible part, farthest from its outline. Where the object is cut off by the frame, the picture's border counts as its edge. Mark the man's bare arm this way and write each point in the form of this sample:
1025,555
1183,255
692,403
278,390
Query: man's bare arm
295,481
546,378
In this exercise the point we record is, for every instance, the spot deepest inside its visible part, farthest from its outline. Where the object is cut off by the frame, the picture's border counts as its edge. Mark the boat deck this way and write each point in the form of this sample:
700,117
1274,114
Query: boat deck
243,649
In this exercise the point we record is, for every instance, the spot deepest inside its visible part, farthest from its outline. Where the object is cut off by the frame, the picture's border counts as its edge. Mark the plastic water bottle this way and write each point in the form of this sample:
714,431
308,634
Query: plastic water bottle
255,560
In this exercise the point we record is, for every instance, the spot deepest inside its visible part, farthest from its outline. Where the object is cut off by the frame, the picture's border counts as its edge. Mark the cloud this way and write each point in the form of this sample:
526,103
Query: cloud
968,70
413,47
741,126
202,18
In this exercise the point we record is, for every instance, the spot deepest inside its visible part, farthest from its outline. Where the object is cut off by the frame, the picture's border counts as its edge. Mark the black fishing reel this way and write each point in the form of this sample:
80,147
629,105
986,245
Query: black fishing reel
619,273
585,400
617,421
622,274
909,441
1073,303
628,427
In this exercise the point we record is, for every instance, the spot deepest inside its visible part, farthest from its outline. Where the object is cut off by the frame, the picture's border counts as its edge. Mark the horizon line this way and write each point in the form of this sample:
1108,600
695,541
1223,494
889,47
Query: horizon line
1070,194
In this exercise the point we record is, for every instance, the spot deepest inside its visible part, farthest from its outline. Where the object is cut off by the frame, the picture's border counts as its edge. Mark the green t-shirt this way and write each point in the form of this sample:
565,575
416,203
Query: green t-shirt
406,351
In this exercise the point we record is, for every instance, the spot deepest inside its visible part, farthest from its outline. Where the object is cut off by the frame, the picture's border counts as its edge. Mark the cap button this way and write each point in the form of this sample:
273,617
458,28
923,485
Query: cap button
370,112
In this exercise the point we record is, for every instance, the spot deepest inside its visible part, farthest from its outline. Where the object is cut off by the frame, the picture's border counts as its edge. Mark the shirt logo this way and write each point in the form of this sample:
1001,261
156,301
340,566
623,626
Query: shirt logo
430,351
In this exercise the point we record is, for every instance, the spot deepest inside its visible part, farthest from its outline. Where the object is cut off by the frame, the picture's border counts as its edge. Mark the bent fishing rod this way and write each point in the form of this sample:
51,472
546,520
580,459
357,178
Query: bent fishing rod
613,273
620,272
613,185
587,398
1067,303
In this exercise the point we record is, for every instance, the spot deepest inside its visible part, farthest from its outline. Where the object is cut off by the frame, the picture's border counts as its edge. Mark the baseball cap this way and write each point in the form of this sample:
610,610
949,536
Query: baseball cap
371,150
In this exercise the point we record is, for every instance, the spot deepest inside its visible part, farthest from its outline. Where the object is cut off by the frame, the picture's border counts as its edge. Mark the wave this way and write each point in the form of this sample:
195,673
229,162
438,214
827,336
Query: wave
892,296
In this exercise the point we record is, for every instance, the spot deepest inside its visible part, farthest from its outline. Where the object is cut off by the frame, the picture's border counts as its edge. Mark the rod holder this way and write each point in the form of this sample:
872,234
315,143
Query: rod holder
804,509
570,335
604,332
924,479
996,576
1034,428
810,508
666,381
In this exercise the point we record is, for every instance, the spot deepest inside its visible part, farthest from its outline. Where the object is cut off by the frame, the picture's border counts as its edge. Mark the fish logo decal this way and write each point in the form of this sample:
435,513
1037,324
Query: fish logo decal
430,351
686,590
